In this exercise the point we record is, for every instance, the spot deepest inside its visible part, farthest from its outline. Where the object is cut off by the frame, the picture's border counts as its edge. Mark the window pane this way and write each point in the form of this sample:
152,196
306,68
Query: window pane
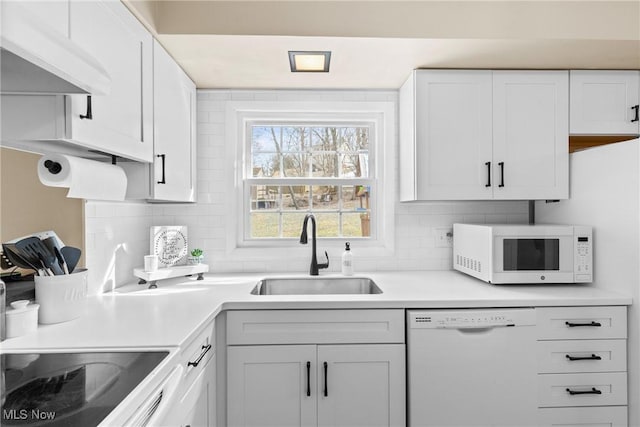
354,165
265,165
265,197
325,197
292,224
263,138
356,224
328,224
295,165
355,197
264,225
324,164
295,197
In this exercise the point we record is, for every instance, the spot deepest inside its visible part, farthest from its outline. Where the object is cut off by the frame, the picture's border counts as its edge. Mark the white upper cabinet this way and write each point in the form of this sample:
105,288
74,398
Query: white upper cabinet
54,13
172,175
445,133
174,130
530,135
481,135
604,102
121,122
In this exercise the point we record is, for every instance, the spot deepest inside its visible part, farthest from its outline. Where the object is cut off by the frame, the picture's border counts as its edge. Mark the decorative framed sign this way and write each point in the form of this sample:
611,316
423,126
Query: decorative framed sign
170,244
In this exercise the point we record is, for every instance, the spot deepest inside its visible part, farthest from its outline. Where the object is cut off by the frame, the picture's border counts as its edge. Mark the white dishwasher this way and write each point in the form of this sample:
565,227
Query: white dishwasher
472,367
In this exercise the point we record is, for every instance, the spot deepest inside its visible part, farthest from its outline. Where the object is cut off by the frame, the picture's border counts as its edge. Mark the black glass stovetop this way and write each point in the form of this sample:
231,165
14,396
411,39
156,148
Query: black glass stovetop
69,389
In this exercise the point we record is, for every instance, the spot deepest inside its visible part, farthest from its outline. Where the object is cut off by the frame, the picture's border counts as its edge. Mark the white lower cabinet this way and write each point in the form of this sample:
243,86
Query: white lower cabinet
308,385
196,406
582,366
315,383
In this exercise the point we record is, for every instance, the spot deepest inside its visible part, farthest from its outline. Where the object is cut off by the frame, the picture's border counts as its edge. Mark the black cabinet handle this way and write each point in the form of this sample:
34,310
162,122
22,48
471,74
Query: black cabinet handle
488,165
501,164
636,118
308,379
592,391
592,357
162,156
326,390
89,115
205,349
574,325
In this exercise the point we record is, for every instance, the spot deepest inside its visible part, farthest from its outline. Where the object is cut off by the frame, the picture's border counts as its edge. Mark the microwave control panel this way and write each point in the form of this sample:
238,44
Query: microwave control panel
583,254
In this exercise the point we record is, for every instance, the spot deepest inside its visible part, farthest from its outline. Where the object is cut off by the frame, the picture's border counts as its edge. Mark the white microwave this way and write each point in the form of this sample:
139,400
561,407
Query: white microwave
524,254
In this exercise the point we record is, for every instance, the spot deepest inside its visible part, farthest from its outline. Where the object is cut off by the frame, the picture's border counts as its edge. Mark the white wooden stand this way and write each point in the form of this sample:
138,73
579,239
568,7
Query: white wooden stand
152,277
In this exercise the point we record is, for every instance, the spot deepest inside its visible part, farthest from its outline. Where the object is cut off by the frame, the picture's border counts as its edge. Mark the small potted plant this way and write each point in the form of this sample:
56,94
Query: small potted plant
196,256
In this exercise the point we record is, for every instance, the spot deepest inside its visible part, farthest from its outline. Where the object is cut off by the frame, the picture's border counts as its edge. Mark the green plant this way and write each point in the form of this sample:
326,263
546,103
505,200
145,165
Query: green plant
196,253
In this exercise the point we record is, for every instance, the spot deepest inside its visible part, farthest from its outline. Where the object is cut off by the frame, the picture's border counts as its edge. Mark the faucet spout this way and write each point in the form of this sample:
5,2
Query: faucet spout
315,266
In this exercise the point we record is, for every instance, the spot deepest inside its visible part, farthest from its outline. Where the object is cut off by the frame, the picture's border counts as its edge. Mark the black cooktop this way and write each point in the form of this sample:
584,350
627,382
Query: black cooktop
69,389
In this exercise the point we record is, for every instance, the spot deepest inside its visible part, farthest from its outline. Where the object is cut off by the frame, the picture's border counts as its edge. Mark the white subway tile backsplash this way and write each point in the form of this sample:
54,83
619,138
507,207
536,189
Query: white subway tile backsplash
117,234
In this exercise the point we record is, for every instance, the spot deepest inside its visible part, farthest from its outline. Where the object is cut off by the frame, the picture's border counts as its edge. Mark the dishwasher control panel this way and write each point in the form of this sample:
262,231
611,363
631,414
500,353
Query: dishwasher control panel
471,318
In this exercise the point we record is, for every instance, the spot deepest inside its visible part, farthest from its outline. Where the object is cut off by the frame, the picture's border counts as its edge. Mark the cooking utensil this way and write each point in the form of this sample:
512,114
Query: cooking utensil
16,258
38,254
61,261
71,256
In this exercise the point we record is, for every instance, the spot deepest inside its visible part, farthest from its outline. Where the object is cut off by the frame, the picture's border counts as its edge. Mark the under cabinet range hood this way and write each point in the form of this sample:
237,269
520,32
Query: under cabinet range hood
36,59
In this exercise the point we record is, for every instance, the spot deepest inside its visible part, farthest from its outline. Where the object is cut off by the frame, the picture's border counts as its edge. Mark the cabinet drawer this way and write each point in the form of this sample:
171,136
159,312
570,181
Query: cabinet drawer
557,357
566,323
315,326
553,389
607,416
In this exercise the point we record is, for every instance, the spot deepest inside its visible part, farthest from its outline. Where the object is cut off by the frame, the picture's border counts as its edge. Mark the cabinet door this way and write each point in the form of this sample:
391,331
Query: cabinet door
453,135
53,13
198,404
174,135
362,385
121,122
531,134
604,102
267,385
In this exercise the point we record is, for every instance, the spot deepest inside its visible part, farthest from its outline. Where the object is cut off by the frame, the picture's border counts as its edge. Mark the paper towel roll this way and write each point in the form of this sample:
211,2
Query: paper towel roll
86,179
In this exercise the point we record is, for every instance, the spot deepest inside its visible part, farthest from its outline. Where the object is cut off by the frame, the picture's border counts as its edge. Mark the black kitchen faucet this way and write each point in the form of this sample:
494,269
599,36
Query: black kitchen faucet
313,270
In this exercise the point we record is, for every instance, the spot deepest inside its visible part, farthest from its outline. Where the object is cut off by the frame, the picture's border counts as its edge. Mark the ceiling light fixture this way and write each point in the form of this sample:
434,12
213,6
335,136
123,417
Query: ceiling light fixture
309,61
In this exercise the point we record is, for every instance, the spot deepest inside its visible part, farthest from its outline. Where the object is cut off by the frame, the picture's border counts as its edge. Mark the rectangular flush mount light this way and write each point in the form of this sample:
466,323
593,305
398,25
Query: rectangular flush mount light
309,61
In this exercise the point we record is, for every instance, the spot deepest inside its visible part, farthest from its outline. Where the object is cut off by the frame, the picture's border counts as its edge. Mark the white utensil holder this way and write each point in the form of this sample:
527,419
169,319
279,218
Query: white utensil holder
61,298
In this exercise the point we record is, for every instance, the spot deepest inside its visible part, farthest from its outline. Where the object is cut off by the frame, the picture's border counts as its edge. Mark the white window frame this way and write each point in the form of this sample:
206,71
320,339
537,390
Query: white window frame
381,116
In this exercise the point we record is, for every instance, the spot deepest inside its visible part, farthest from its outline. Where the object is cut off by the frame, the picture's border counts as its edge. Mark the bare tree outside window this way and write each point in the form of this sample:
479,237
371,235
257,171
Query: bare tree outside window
297,169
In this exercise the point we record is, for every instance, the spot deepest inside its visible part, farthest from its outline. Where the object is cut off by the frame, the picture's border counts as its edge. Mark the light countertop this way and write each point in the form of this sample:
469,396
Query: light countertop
134,316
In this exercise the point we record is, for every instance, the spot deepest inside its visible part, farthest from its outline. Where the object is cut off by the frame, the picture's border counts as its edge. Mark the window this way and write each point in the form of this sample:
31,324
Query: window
322,168
334,159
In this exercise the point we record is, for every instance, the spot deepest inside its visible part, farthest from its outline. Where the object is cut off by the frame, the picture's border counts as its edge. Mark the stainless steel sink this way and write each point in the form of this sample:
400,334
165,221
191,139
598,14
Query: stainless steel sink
316,286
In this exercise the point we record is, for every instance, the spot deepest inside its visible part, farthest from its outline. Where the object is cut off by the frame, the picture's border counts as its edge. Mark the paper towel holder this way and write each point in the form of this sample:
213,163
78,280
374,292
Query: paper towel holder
53,167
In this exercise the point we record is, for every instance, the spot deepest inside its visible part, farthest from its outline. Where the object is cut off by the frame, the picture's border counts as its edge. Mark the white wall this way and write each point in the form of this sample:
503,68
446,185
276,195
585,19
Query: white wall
207,220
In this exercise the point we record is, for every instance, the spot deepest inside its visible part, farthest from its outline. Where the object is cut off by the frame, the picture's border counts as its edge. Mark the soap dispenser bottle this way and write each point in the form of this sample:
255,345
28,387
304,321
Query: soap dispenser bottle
347,260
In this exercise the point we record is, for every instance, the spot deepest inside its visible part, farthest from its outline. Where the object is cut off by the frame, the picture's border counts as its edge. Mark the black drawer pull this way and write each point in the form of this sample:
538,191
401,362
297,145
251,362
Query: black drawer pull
308,379
636,118
488,165
205,349
574,325
592,357
89,115
501,164
326,390
592,391
162,156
